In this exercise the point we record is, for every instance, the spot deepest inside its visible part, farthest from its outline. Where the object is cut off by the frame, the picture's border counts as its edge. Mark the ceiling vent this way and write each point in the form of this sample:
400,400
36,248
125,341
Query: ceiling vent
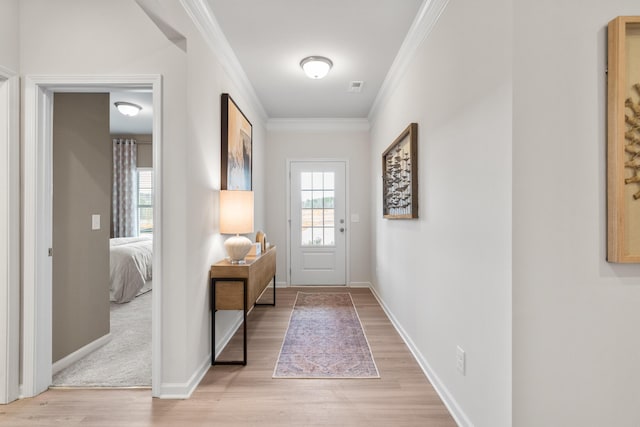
356,86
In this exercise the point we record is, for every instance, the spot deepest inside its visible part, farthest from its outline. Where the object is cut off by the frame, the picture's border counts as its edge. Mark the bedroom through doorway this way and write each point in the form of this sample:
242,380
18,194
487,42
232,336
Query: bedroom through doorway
102,239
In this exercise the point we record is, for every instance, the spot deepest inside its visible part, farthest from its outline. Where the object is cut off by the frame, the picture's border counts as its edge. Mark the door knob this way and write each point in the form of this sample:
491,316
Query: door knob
342,229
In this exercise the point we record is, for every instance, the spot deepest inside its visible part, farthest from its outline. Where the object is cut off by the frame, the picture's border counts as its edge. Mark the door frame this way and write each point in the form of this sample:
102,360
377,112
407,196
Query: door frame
347,210
37,218
10,241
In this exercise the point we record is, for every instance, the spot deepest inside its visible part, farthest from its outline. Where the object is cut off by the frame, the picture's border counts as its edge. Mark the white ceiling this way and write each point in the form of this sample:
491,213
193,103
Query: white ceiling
140,124
270,38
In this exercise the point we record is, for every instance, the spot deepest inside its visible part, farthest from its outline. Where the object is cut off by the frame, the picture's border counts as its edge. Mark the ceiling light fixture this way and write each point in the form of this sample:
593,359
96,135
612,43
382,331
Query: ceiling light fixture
316,67
128,108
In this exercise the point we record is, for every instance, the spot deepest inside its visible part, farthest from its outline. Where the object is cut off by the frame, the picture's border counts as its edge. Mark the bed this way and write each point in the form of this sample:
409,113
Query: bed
130,261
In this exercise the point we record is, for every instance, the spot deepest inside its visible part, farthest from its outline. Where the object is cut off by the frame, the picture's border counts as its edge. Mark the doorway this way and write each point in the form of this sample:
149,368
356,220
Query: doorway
37,269
9,236
318,228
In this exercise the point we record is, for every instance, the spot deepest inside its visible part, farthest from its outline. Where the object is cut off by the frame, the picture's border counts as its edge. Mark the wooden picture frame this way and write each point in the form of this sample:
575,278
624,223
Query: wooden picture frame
623,140
400,176
236,157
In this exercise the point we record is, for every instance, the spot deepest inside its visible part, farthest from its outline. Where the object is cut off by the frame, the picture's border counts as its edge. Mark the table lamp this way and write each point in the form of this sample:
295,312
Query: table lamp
236,217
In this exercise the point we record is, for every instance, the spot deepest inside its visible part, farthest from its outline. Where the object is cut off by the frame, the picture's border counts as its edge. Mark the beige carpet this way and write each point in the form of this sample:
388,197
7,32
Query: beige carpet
325,339
125,361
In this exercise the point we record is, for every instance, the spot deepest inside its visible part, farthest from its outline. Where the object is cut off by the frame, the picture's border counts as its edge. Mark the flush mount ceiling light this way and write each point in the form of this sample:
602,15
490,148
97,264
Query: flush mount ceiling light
316,67
128,108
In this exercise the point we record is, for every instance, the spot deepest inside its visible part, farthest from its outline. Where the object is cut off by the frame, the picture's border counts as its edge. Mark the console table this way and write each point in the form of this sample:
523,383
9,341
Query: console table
238,287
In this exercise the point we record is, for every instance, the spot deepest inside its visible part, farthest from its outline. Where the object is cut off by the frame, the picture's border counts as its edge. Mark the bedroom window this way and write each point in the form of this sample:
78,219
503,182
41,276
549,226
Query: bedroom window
145,201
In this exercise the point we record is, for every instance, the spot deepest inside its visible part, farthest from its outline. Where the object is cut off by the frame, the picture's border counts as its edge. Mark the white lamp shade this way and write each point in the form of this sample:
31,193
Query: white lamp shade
316,67
236,212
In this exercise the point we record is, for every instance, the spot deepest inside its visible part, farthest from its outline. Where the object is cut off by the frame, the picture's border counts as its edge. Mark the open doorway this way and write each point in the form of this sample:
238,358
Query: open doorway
38,213
102,262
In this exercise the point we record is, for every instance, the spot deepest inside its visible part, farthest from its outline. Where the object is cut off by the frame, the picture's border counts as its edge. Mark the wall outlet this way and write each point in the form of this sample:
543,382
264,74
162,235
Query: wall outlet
460,360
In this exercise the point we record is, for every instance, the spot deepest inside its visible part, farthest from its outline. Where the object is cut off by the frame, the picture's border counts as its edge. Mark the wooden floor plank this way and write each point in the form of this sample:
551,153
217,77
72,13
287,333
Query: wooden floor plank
248,396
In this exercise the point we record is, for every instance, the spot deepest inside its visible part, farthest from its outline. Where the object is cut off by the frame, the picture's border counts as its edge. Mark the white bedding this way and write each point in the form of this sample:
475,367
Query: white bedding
130,262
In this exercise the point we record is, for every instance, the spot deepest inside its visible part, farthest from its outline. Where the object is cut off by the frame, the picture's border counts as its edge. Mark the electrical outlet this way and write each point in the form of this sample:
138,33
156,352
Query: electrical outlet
460,360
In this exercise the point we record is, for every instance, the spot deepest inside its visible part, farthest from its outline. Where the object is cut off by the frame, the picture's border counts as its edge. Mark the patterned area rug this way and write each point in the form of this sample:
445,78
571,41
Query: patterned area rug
325,340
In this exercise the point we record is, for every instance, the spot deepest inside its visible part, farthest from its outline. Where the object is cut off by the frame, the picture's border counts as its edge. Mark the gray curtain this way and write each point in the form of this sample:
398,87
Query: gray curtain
125,188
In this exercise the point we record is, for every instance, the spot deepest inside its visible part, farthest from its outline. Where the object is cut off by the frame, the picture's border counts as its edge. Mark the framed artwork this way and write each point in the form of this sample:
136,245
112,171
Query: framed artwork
236,147
400,176
623,140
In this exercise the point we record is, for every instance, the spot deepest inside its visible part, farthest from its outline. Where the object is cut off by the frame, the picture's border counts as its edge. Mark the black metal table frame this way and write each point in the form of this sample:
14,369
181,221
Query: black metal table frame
244,318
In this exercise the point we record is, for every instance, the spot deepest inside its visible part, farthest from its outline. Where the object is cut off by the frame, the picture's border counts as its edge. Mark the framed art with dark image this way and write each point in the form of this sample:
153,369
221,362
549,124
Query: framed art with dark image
236,147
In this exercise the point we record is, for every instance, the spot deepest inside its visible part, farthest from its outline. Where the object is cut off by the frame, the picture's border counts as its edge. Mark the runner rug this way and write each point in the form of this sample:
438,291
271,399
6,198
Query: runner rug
325,339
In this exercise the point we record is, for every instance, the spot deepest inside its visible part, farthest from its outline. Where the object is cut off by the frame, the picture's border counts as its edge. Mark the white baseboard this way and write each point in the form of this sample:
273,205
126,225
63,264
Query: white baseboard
79,354
185,390
360,285
454,408
282,285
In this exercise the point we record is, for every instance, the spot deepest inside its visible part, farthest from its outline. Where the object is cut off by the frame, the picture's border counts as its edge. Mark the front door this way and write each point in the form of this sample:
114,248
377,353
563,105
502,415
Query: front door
318,229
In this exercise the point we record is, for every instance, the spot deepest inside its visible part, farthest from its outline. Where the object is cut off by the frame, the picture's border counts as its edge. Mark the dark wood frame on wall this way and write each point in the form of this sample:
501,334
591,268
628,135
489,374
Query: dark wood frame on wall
236,147
623,140
400,176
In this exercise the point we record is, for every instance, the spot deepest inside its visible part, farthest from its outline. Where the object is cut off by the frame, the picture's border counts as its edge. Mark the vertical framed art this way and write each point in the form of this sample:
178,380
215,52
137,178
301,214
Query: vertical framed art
623,140
400,176
236,147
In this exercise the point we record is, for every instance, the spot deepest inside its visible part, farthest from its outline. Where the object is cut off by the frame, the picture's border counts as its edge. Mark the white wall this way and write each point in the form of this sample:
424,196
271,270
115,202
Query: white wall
575,325
9,34
321,142
116,37
446,276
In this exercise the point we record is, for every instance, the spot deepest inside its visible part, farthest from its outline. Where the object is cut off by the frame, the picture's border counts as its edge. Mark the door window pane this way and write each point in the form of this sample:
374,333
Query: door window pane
317,197
305,181
329,197
329,236
329,181
317,180
328,218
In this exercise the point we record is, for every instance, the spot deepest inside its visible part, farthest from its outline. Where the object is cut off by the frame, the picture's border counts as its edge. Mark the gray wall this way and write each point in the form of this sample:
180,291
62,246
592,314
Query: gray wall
445,276
81,187
575,316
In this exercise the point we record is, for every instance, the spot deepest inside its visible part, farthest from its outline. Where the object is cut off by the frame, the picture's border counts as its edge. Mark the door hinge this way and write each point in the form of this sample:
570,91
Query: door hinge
50,251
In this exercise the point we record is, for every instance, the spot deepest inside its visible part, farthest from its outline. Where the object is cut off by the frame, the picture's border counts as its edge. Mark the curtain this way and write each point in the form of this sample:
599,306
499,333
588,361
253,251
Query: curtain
125,188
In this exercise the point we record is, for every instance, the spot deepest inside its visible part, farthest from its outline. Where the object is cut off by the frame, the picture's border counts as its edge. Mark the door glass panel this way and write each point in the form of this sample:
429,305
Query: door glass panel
306,181
329,181
317,237
329,236
305,199
317,180
329,199
328,218
318,220
317,197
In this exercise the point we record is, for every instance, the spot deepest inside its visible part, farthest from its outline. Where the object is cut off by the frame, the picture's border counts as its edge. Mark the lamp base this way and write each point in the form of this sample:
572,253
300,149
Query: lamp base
237,248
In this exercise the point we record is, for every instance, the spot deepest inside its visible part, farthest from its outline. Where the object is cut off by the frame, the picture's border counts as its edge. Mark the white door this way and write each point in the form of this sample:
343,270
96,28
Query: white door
318,228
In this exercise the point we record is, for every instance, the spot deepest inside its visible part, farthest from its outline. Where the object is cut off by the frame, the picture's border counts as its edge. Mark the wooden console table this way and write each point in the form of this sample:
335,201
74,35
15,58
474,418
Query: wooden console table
238,287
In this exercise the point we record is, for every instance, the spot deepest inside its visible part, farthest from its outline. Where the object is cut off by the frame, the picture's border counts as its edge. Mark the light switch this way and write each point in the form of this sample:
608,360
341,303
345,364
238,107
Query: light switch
355,218
95,222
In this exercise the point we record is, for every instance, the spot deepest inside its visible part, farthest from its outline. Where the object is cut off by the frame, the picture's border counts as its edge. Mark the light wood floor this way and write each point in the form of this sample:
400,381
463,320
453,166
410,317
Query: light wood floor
248,396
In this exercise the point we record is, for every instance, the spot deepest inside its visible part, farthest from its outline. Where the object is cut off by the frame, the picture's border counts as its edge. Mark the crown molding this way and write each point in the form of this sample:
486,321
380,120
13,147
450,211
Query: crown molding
206,22
427,17
318,125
